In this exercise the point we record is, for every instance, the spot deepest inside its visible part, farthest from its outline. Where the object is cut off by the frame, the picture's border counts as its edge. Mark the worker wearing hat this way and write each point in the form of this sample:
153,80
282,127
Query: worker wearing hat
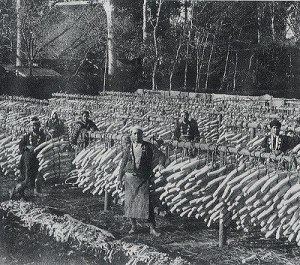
29,163
80,134
274,142
136,173
186,129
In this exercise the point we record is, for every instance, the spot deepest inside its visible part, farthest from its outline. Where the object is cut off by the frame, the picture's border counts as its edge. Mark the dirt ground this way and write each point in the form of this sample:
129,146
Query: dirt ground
186,237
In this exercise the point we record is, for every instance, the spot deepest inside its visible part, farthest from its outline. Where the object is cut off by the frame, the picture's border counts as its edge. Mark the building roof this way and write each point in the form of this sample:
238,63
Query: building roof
36,71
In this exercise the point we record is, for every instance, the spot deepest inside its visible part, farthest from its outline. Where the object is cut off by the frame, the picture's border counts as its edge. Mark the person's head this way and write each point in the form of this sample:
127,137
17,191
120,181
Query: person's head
54,115
36,124
184,115
137,134
275,126
85,115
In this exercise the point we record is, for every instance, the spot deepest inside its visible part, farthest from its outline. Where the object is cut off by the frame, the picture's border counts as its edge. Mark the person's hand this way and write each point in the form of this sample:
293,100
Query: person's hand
160,168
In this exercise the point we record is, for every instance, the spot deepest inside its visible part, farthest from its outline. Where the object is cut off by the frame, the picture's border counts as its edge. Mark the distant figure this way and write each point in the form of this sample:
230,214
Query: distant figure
186,129
293,139
54,125
275,142
82,128
29,163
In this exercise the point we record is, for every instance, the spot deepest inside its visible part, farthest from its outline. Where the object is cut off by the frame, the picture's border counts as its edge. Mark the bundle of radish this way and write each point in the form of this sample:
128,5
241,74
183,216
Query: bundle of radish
55,158
9,155
98,169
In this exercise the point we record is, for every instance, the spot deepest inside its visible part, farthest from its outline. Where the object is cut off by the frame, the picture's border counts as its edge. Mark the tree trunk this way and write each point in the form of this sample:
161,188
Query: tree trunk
31,52
19,36
202,56
258,22
187,52
144,22
208,64
198,62
174,66
105,72
235,71
226,64
185,11
272,20
156,60
111,53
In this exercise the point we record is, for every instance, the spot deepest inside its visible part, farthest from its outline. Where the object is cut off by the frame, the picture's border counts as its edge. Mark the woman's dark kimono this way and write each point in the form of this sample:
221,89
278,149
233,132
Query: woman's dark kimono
55,127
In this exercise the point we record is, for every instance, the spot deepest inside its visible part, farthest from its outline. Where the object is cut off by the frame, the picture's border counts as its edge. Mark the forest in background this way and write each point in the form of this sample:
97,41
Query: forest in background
194,46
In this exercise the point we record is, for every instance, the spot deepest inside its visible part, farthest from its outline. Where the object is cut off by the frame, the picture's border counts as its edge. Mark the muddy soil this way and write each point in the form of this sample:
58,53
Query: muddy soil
189,238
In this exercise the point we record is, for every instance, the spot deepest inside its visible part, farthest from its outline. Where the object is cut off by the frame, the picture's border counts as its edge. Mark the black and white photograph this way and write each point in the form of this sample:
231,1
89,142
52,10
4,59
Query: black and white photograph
149,132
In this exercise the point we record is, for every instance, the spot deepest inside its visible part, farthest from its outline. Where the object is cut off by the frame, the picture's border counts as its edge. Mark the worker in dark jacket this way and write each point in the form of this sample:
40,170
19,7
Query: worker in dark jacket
274,142
82,128
136,169
54,125
29,163
186,129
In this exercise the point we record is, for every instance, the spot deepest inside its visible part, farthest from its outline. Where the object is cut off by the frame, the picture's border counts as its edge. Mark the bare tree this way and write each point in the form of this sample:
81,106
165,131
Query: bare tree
157,57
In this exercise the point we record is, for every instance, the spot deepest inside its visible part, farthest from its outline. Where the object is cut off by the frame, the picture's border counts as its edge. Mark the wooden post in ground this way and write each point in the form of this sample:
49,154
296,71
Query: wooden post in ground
107,199
252,133
222,231
222,228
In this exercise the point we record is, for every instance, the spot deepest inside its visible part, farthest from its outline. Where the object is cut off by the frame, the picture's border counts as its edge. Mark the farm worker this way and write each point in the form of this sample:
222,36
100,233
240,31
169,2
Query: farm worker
293,139
136,172
186,129
83,126
274,142
29,163
55,125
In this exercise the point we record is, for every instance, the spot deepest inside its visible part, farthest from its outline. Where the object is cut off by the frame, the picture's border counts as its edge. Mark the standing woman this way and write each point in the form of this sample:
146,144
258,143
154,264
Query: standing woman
136,167
55,126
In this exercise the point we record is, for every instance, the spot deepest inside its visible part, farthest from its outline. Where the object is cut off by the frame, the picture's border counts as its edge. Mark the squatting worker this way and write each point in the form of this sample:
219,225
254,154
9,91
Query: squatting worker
186,129
29,163
136,167
84,125
55,125
274,142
